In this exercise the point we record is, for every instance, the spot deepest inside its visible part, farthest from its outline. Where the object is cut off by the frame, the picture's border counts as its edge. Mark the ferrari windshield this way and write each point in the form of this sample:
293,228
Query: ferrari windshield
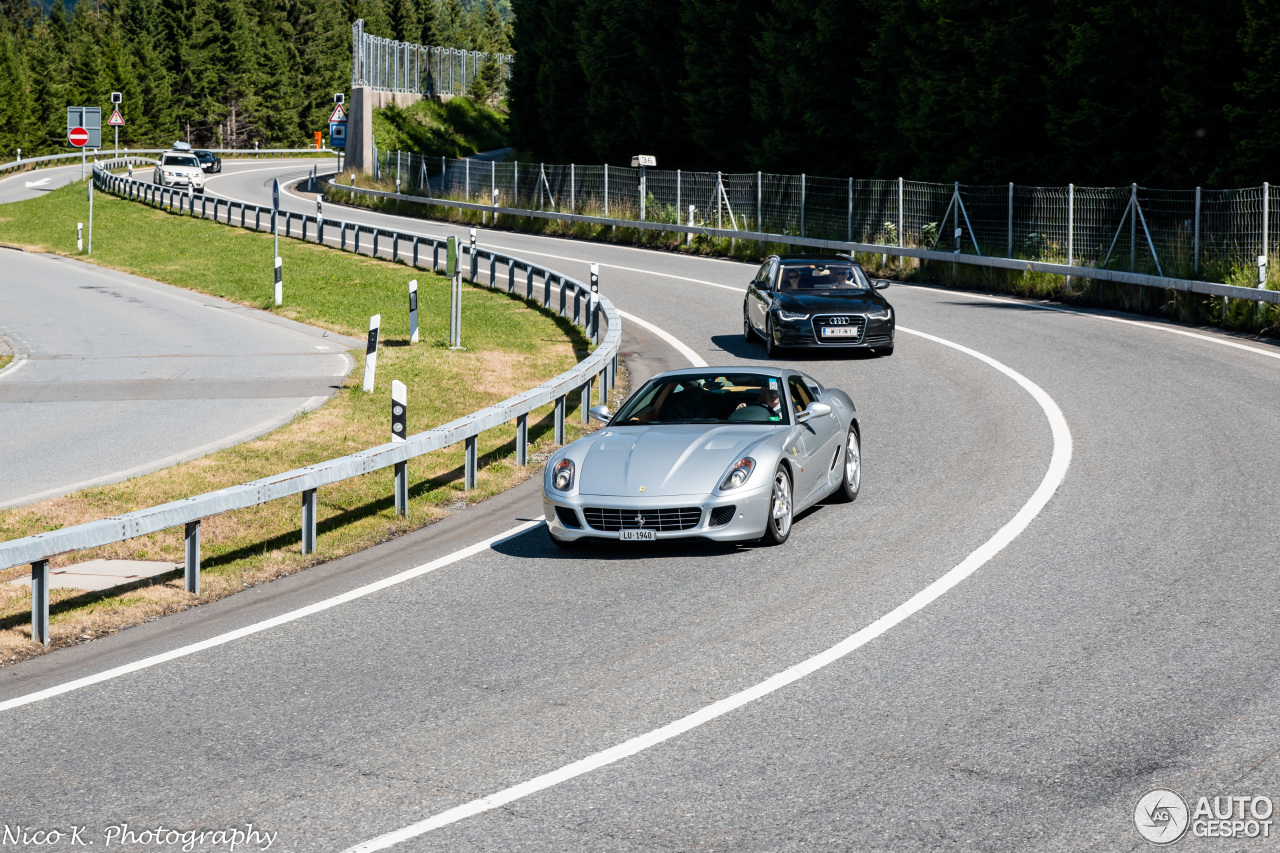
822,276
706,398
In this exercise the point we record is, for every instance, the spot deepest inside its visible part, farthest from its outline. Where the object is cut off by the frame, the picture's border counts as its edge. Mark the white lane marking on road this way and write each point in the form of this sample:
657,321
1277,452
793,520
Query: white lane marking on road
1153,326
695,359
314,608
274,622
38,183
1059,461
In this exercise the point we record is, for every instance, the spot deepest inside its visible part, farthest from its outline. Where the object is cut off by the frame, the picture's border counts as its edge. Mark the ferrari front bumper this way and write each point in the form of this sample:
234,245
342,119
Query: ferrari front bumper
611,514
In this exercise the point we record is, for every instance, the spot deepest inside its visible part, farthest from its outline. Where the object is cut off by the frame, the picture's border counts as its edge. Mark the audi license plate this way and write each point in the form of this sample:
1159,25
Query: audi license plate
839,331
638,535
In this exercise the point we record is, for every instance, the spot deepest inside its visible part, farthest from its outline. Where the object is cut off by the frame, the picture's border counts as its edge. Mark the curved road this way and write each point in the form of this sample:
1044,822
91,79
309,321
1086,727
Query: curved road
117,375
1122,641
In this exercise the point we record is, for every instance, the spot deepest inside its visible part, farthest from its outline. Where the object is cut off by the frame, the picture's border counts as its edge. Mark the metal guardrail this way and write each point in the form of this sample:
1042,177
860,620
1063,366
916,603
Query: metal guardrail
102,152
599,367
1186,285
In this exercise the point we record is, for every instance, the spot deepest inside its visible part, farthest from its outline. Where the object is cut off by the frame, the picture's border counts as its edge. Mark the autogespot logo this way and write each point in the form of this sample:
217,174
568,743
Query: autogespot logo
1161,816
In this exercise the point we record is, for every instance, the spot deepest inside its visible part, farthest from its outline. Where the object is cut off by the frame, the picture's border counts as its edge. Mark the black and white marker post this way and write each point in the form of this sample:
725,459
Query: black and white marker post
275,231
371,352
453,270
79,236
399,432
593,307
413,311
474,266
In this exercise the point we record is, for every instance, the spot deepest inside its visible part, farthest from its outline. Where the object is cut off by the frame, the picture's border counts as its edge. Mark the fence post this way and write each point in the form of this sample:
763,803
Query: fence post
1196,260
677,196
759,202
850,237
309,521
191,565
522,440
1071,229
1133,228
1009,248
559,437
515,183
606,190
802,183
901,216
40,602
1266,211
572,206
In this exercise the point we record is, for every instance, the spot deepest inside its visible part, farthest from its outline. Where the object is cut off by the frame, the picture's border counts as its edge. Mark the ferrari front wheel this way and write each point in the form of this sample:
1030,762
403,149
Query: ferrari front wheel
778,525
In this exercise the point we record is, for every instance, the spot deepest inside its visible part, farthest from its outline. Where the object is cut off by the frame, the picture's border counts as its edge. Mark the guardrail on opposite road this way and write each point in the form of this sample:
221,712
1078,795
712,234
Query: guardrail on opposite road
597,368
102,152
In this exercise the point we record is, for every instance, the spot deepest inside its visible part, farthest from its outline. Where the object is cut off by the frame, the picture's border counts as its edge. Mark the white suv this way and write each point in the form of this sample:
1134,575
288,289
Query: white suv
179,168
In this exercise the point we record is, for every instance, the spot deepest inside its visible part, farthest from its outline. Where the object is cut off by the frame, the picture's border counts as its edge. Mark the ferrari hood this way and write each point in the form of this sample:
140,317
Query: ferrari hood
665,460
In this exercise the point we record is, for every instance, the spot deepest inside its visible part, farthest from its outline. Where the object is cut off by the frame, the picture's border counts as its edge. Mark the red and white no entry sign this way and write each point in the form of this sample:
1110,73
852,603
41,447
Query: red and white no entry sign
78,136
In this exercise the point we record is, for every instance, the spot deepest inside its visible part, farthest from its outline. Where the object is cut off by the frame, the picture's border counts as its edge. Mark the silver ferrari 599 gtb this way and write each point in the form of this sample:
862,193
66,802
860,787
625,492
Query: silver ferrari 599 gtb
721,453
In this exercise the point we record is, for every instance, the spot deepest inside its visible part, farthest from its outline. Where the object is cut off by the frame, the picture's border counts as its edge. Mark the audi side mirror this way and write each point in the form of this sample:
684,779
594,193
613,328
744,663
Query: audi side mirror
879,284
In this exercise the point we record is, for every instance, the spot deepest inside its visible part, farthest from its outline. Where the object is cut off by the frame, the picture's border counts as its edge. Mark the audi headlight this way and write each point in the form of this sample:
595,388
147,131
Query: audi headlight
738,474
562,476
882,314
791,315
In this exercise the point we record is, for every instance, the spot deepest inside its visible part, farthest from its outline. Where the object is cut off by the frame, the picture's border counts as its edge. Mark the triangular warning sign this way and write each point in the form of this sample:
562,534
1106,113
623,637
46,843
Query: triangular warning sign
116,119
338,114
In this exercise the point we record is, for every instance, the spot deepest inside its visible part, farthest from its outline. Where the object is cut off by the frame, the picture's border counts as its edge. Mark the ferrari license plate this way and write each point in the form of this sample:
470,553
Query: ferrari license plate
637,535
840,331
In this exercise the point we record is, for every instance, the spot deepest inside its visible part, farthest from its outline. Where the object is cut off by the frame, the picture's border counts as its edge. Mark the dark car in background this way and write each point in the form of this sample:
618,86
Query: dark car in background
209,161
821,301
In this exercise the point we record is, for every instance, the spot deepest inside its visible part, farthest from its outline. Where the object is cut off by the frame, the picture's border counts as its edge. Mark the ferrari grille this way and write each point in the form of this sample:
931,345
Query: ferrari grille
608,518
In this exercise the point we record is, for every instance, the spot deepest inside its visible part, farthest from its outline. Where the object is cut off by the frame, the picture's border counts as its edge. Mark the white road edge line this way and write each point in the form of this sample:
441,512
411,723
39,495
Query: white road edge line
1156,327
695,359
274,622
1059,461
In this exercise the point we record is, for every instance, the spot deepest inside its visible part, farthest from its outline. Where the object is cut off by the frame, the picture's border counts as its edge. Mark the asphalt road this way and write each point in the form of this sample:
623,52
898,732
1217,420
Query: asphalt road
1122,641
116,375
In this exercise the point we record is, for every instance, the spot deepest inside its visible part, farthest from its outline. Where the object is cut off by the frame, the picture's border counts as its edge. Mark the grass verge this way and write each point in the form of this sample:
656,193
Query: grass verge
512,345
454,128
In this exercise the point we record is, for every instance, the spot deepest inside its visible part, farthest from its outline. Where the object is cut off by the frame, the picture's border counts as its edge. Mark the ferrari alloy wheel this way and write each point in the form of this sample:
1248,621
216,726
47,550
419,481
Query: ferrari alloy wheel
852,480
778,526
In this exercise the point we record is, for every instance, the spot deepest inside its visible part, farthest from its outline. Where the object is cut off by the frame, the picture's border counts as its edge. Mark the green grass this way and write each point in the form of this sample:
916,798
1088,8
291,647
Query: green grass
456,128
512,345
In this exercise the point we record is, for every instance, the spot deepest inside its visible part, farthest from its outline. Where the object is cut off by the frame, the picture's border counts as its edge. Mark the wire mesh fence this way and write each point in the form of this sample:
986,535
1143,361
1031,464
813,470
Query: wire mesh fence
1217,234
395,66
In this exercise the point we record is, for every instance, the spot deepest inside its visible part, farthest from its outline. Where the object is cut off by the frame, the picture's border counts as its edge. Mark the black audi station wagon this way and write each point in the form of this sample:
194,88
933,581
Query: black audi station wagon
820,301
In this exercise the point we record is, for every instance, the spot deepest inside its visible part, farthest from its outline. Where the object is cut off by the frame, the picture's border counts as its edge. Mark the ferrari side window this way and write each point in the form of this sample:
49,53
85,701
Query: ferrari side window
800,397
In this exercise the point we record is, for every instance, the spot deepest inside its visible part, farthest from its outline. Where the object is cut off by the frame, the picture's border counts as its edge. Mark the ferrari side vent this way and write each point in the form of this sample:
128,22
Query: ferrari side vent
722,515
567,517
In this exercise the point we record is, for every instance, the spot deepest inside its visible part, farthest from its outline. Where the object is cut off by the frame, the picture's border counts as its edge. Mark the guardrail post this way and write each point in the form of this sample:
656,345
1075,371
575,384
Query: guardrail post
564,297
606,381
375,242
493,270
560,420
40,602
415,252
356,244
395,242
470,479
577,307
522,440
309,521
305,220
435,255
546,289
585,402
402,489
511,276
191,563
528,287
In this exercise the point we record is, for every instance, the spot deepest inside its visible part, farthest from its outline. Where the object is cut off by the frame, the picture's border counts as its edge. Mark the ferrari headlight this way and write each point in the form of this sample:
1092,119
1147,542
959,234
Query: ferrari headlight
562,476
738,474
882,314
791,315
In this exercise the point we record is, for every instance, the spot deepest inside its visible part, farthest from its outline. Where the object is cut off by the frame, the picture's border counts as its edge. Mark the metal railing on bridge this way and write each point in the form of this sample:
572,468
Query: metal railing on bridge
396,66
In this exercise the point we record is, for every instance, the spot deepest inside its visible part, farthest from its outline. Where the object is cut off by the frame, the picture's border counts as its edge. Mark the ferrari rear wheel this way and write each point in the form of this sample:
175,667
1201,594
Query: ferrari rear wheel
778,526
851,482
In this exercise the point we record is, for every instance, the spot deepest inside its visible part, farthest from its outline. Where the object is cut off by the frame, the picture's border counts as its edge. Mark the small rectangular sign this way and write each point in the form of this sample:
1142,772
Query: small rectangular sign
451,258
89,118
